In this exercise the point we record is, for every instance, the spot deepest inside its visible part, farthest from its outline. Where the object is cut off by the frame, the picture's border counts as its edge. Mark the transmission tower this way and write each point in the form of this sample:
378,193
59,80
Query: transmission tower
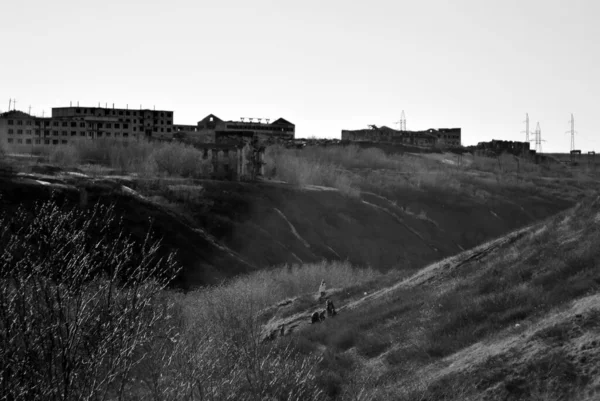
402,122
572,132
538,138
526,127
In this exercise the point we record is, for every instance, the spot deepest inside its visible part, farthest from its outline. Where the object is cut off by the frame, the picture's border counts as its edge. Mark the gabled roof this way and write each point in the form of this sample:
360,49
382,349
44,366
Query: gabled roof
208,118
281,121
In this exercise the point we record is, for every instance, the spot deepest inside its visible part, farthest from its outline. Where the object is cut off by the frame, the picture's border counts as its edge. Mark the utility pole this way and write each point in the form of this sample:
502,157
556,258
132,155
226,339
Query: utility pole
402,121
14,104
572,132
9,104
526,127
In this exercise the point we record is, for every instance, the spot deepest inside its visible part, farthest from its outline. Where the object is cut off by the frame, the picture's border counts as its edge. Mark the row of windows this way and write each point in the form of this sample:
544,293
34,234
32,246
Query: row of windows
122,112
259,128
38,141
108,126
82,124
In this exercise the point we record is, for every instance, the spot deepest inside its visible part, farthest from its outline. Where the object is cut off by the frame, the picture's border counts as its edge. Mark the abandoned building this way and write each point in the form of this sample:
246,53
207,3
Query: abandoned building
497,147
73,123
211,128
68,124
430,137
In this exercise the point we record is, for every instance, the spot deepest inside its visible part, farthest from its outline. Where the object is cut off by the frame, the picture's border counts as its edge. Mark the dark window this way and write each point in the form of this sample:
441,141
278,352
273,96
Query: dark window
168,129
55,123
108,125
10,122
10,140
107,133
19,122
28,141
80,134
28,132
77,111
120,113
47,141
73,124
38,141
125,134
65,124
19,140
20,131
10,131
64,141
55,133
55,142
117,125
99,134
82,125
126,126
29,122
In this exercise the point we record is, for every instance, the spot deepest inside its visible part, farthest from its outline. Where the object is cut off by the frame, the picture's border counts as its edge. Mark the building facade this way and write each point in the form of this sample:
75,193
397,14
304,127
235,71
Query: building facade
212,129
430,137
68,124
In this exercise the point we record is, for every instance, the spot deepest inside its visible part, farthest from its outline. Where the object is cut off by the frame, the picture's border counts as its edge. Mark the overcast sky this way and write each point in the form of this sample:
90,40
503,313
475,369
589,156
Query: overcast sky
323,65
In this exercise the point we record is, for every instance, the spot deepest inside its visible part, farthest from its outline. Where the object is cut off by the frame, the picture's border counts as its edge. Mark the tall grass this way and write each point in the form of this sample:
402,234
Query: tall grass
353,169
140,157
267,287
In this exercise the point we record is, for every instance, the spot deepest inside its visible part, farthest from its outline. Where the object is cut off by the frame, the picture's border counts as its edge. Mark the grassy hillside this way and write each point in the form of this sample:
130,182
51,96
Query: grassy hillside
516,318
383,210
86,312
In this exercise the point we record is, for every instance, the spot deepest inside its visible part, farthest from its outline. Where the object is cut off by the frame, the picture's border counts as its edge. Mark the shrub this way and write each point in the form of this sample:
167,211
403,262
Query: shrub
76,303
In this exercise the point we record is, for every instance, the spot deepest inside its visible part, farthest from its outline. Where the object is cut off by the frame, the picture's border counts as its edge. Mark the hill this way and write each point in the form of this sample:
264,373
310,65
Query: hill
515,318
221,229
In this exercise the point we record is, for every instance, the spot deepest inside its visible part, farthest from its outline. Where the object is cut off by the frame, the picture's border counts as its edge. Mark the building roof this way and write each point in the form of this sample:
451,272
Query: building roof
281,121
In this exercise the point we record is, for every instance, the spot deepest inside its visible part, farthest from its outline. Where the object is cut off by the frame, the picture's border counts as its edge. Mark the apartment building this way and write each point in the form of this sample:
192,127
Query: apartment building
68,124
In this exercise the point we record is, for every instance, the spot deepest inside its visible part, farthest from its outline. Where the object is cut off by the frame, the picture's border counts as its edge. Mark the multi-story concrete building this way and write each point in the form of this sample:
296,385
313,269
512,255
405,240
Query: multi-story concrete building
118,123
430,137
68,124
212,129
74,123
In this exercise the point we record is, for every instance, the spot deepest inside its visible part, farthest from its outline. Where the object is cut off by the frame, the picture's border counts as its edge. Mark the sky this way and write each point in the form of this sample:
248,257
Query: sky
480,65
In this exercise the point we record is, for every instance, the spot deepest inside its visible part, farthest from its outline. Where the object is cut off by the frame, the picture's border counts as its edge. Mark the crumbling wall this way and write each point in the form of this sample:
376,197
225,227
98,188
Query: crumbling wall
497,147
388,135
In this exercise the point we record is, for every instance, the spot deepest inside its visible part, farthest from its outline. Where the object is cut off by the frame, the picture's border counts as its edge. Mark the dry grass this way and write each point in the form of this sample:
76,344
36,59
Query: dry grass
141,157
267,287
353,169
415,327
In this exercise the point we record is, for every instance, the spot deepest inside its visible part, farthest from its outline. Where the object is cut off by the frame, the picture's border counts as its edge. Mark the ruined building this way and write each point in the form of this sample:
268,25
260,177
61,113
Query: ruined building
496,147
430,137
212,129
68,124
235,149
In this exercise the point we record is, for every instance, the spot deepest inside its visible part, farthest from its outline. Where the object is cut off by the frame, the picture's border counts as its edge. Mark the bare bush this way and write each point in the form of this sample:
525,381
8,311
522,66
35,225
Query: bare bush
77,303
